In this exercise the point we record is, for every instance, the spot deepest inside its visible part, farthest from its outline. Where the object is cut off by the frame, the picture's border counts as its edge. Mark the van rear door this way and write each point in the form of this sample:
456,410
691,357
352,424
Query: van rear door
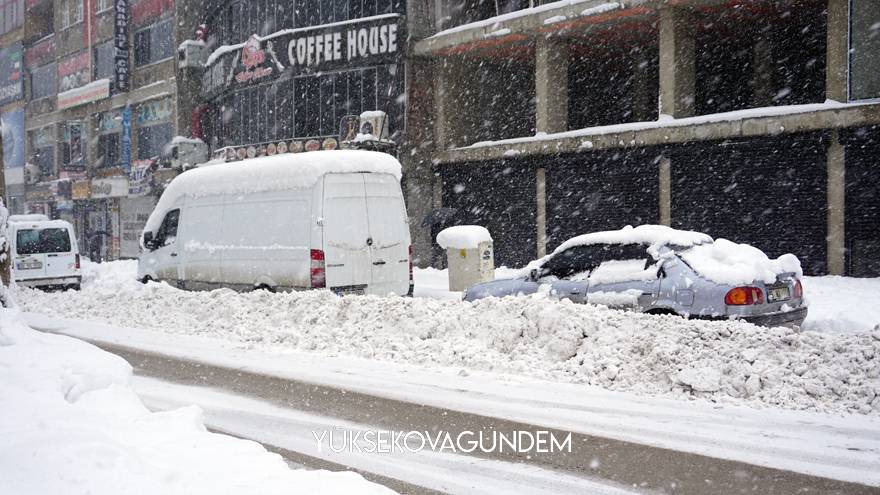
60,256
346,233
389,232
30,261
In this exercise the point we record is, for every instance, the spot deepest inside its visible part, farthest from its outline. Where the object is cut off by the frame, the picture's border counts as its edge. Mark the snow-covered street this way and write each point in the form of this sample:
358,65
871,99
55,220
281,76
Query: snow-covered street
825,369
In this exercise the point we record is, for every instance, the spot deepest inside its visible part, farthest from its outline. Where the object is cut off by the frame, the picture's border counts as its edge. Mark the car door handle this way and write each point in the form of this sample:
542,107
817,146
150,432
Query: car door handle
173,254
52,255
378,262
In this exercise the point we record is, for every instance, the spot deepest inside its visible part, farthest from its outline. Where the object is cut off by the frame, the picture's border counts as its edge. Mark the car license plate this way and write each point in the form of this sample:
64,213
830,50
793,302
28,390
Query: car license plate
775,294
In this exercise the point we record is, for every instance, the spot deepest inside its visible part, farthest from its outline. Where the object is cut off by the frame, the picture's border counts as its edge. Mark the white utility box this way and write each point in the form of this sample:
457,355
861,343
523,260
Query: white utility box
469,254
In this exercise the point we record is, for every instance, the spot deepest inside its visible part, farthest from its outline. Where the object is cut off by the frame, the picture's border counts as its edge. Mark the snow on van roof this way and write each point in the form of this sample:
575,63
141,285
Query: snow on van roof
653,235
269,173
31,217
42,224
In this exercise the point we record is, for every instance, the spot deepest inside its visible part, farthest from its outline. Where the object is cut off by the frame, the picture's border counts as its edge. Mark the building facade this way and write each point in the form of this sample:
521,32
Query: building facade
99,102
287,77
754,121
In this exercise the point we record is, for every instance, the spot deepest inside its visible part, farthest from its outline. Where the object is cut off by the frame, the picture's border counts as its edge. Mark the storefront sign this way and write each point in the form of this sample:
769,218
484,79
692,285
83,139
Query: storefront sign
140,180
73,72
40,53
81,189
11,77
95,91
111,187
154,112
120,42
370,41
126,139
13,139
41,192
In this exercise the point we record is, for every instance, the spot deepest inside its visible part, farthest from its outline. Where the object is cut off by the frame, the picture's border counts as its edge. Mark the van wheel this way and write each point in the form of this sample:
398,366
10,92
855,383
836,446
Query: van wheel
264,287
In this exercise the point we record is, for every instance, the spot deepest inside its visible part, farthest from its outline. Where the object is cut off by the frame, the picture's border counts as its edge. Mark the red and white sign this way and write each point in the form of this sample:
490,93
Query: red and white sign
95,91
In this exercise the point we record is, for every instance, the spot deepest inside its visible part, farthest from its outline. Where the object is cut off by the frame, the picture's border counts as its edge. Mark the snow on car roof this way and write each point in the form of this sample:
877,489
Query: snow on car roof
269,173
652,235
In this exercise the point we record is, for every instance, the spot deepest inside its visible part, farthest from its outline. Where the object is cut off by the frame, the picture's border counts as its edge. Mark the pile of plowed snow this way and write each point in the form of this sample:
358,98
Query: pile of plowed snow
533,336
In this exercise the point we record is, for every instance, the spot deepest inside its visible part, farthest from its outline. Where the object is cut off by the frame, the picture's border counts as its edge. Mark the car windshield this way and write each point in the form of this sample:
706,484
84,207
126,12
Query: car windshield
38,241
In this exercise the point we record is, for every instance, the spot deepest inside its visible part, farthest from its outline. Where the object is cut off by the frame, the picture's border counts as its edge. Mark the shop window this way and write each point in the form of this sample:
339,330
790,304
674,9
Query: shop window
154,43
104,5
864,68
11,15
104,61
73,146
43,81
151,140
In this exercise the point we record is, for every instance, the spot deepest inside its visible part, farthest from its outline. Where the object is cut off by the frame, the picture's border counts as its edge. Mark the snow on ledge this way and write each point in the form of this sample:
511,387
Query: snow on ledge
463,237
667,121
498,19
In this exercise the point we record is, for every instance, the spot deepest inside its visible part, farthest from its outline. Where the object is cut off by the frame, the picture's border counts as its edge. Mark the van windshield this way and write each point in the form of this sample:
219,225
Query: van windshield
38,241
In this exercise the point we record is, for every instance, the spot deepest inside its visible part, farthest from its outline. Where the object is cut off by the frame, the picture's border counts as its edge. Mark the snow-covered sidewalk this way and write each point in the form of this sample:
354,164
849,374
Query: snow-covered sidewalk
841,447
721,362
71,423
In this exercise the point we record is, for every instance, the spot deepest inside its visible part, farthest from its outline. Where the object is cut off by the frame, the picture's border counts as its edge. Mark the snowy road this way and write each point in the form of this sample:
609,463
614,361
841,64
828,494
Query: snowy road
282,413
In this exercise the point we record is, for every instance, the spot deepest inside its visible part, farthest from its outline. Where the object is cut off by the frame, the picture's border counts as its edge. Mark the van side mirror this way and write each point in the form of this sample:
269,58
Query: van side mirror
149,242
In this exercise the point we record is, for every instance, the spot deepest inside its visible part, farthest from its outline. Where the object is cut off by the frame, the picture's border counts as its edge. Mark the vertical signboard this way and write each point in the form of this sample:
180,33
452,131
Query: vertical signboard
11,77
120,38
126,139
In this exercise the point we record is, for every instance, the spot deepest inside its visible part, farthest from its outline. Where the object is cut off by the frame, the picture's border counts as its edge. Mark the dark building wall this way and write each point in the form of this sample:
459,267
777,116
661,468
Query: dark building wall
606,190
862,201
770,193
499,196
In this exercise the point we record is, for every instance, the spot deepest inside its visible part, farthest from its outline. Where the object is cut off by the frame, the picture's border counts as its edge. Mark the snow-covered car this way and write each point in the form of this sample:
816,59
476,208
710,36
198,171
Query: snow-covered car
660,270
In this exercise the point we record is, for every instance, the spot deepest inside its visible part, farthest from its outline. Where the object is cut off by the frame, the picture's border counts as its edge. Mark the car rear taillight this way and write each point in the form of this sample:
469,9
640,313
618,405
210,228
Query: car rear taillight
77,262
798,288
317,272
410,264
744,296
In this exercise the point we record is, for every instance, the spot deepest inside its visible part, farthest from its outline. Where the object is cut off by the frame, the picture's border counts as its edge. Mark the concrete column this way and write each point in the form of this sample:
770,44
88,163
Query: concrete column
676,63
551,86
541,213
441,92
836,243
644,100
762,79
665,191
837,51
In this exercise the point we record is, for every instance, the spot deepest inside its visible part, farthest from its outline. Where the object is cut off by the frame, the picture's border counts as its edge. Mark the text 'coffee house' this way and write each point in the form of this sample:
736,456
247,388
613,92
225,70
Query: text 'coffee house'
278,80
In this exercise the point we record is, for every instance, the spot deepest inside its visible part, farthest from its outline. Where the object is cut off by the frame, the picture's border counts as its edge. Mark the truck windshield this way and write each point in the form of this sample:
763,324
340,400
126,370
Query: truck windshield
38,241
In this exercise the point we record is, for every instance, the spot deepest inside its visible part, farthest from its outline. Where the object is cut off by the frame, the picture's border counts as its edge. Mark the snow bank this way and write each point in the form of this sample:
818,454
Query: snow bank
269,173
71,424
727,262
463,237
532,336
842,304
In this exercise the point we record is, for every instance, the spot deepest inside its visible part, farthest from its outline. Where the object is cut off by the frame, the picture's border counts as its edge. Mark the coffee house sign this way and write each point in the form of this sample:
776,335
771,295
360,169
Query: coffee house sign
358,42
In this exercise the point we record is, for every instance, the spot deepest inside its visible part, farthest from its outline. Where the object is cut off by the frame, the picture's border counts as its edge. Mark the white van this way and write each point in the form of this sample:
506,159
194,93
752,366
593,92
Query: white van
322,219
45,254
